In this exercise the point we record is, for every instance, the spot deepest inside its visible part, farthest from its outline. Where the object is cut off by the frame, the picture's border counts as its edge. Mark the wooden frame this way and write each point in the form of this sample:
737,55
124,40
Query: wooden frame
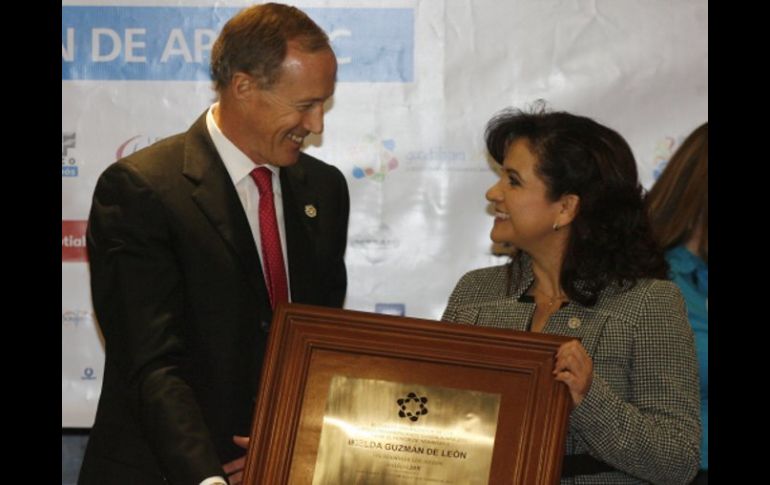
308,345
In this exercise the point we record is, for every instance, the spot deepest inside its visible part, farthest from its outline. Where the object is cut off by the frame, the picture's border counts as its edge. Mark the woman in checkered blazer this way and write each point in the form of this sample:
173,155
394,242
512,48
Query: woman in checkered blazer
570,202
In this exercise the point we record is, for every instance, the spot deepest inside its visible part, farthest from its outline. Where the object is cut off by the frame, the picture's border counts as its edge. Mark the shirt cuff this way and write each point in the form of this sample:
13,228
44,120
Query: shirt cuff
214,481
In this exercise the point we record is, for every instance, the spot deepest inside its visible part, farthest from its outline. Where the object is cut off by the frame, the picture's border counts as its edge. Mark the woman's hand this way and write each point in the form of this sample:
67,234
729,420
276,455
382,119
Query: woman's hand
575,368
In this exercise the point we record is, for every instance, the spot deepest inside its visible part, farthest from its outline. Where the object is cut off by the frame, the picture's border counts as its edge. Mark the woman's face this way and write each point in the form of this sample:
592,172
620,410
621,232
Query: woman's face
524,216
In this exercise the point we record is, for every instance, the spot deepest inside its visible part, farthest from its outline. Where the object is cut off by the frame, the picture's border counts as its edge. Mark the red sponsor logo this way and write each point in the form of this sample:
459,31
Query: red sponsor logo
134,144
73,241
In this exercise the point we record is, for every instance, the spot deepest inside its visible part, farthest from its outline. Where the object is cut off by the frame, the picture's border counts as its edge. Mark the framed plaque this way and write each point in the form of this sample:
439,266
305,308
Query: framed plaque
351,397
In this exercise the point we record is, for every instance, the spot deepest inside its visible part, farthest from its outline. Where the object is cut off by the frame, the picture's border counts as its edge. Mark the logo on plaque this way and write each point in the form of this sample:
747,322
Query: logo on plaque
412,407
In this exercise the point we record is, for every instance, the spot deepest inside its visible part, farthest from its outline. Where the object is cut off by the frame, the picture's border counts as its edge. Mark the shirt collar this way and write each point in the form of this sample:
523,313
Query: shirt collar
238,165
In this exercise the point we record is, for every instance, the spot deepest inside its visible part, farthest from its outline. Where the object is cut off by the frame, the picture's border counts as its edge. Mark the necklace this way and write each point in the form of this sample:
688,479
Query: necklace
552,300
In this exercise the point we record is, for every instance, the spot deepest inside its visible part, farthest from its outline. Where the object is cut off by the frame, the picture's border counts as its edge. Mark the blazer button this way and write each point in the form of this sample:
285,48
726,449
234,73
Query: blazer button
573,323
265,326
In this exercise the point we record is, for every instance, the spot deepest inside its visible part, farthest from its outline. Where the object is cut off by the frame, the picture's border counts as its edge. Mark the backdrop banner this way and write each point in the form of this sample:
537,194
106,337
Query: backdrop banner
417,82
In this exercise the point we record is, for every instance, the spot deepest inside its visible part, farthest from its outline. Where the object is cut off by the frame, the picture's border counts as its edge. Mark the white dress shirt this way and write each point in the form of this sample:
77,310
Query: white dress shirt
239,166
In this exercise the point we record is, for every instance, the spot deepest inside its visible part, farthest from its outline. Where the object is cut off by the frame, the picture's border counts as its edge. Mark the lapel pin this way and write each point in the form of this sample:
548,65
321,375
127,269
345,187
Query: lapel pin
310,210
573,323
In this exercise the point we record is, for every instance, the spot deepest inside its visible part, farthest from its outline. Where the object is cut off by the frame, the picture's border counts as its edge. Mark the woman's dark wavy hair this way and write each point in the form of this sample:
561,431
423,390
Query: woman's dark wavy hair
610,239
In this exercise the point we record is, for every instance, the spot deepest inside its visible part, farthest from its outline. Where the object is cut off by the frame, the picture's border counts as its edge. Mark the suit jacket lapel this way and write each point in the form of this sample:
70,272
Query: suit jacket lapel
215,195
505,310
298,197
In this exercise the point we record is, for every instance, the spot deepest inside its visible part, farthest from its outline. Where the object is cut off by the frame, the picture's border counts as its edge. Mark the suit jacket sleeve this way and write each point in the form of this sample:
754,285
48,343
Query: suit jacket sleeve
655,437
138,298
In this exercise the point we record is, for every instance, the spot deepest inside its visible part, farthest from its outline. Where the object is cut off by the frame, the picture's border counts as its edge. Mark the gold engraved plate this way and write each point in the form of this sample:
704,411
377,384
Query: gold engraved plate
382,432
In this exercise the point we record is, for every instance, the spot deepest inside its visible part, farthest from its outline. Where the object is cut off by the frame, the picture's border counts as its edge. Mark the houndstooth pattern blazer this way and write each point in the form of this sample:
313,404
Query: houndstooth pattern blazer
642,412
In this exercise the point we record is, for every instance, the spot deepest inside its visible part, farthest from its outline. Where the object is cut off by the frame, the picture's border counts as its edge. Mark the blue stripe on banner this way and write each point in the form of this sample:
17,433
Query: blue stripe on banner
174,43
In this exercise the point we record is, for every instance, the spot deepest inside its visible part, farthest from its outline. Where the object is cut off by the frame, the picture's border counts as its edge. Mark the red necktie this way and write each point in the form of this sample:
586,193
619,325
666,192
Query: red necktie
272,255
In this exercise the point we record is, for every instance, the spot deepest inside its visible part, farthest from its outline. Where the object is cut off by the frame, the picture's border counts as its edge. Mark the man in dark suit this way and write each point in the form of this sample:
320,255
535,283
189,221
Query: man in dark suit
183,273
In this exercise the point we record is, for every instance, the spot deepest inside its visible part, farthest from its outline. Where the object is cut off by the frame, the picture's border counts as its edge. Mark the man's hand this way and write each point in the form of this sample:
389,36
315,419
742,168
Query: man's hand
234,469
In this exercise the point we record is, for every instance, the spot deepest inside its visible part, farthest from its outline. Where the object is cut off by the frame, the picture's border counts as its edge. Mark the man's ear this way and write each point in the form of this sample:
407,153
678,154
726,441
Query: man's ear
242,86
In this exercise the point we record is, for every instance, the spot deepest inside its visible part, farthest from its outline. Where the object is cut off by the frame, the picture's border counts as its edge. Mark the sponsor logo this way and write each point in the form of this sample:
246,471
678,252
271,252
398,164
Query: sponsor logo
73,241
69,164
376,158
88,374
398,309
663,151
76,317
134,144
376,245
445,160
174,43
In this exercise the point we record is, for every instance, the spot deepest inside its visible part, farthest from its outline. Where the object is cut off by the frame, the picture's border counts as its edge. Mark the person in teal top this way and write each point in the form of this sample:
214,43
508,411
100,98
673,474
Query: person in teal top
678,209
691,274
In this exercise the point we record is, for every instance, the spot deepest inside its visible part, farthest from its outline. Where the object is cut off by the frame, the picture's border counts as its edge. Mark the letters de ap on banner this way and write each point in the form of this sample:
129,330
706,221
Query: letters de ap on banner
174,43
